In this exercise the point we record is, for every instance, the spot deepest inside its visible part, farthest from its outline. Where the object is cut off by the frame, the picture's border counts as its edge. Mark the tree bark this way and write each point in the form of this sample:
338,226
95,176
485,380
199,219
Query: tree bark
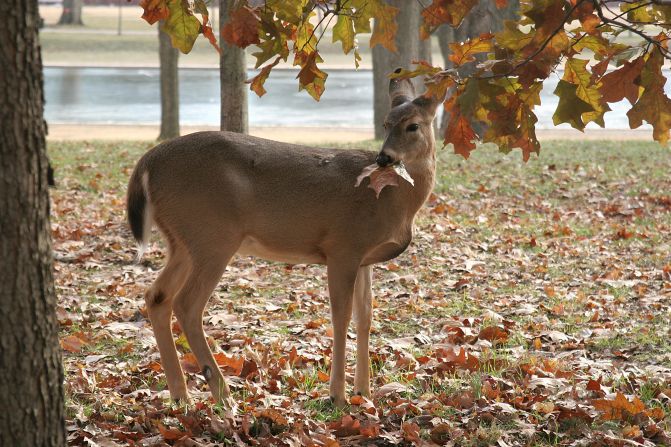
72,12
410,48
31,389
485,17
168,58
233,73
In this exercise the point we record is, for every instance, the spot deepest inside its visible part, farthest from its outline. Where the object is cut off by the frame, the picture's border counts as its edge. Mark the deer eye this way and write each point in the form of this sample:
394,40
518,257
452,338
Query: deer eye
412,127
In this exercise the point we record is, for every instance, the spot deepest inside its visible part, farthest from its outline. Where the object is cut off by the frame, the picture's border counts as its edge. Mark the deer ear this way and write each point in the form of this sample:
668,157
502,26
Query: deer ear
400,90
429,102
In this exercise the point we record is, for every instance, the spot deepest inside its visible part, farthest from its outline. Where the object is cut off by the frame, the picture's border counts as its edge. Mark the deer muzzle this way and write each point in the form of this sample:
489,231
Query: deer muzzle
383,160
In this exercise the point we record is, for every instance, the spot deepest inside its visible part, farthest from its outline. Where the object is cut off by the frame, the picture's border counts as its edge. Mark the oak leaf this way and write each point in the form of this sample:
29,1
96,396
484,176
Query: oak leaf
444,11
242,28
201,8
576,73
462,52
256,83
181,25
460,133
623,82
653,105
381,177
310,77
570,108
154,10
343,31
619,408
72,343
384,31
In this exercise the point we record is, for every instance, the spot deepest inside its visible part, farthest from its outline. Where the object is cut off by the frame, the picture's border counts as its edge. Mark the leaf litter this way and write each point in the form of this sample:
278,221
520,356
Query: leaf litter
533,308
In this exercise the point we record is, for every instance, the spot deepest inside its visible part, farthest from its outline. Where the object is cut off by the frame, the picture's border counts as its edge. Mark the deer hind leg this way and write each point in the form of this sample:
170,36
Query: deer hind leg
159,299
341,278
189,306
363,312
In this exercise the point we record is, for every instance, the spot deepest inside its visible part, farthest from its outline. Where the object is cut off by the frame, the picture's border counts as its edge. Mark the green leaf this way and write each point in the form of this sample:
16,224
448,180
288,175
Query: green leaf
182,26
637,11
289,11
575,72
344,31
570,107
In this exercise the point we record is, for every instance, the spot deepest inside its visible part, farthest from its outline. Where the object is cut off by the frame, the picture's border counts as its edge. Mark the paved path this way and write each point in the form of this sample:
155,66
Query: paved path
306,135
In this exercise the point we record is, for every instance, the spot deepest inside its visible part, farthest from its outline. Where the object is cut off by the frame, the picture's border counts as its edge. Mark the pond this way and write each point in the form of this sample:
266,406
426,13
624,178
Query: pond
131,96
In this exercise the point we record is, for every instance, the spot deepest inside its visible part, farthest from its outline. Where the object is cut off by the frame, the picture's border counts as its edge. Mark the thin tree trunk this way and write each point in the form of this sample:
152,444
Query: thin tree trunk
410,48
233,73
72,12
31,389
168,58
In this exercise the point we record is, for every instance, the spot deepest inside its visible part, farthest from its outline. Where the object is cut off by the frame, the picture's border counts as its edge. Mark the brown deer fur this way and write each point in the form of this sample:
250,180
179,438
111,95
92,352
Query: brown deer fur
215,194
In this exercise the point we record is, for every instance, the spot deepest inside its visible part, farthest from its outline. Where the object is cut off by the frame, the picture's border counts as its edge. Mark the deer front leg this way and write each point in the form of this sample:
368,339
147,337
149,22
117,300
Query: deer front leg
341,278
363,311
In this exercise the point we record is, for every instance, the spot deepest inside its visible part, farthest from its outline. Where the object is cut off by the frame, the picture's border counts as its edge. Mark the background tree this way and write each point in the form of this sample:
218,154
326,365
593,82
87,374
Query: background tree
233,73
169,73
409,48
485,17
72,12
31,390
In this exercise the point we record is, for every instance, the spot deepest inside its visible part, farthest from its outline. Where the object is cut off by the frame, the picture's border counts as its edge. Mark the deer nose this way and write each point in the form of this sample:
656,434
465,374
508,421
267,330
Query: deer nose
383,160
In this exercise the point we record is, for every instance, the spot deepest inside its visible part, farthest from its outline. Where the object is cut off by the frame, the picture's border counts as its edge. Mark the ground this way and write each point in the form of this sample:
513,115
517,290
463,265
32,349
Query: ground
532,308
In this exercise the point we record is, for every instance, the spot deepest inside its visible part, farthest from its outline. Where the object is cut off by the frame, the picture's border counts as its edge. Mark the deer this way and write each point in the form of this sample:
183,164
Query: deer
215,194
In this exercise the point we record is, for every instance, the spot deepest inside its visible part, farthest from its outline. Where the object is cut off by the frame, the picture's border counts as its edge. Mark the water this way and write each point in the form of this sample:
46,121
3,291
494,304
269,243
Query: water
131,96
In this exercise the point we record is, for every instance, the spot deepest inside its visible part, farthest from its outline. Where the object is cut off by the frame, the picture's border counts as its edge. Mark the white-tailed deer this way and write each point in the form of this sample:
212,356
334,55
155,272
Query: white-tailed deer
215,194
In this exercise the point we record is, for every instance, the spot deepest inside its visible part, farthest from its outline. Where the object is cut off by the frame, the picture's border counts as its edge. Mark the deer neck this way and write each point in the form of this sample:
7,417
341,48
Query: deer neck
423,172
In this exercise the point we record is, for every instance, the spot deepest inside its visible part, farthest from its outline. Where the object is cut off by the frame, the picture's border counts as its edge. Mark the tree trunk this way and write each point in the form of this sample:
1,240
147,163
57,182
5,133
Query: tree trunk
31,389
72,12
233,73
485,17
410,48
168,57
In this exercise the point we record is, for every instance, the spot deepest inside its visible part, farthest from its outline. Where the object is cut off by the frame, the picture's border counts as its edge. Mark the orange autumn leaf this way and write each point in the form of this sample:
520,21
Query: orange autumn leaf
444,11
154,10
242,28
189,363
209,34
233,363
462,52
495,334
256,83
346,426
73,343
618,409
461,134
171,434
384,31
